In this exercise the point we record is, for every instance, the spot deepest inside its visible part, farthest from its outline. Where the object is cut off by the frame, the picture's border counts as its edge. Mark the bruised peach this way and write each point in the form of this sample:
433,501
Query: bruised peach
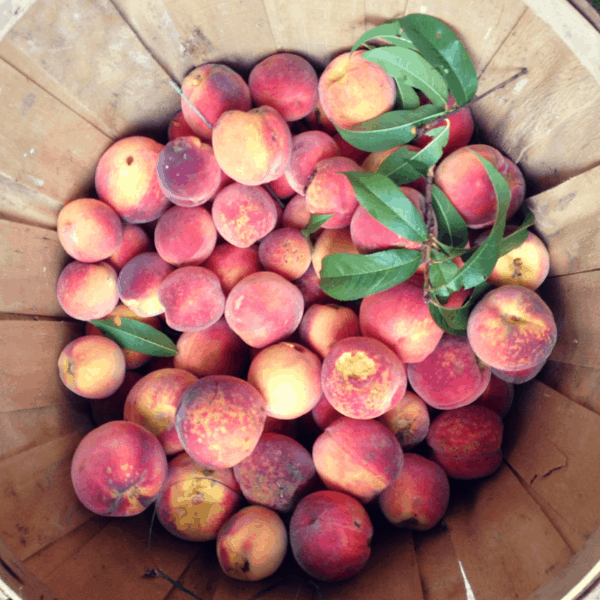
196,501
92,366
231,263
498,396
152,403
135,241
277,473
360,376
357,456
418,497
118,469
330,535
409,420
220,419
252,543
285,251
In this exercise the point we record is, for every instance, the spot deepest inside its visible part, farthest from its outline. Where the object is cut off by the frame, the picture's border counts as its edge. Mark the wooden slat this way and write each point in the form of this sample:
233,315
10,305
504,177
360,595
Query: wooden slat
567,219
538,120
13,13
38,501
87,56
572,301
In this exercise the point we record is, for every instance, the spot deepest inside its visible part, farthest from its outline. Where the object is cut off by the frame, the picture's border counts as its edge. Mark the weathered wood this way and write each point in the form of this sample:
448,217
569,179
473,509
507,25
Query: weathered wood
13,13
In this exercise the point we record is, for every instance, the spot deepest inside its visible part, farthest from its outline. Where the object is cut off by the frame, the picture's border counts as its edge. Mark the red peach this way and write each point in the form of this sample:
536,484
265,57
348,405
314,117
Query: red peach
332,241
281,188
308,284
231,263
409,420
498,395
295,213
318,120
519,375
287,427
285,251
135,241
324,414
178,127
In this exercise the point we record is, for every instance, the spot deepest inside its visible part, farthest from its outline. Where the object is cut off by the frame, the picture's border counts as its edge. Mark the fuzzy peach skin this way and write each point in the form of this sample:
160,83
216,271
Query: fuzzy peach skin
309,287
463,178
138,283
281,188
135,241
118,469
323,325
287,82
324,414
466,442
360,377
264,308
451,376
211,89
252,543
400,318
220,419
196,502
330,191
87,291
408,420
511,328
252,147
498,395
330,535
288,375
127,180
152,403
231,263
277,473
295,213
215,350
178,127
358,457
353,89
285,251
418,498
92,366
89,230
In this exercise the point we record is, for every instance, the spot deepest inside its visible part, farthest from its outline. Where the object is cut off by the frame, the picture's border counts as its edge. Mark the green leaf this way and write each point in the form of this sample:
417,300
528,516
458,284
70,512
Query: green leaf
481,263
315,222
388,31
413,69
354,276
405,165
390,129
439,45
407,97
452,229
135,335
517,237
388,204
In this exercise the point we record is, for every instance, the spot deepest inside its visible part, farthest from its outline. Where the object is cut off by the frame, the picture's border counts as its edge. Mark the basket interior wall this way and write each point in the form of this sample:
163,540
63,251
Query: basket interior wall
77,75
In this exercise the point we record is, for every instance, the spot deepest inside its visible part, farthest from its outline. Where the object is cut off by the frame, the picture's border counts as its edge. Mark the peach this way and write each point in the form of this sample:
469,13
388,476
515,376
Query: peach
252,544
330,191
212,89
87,291
353,89
111,408
252,147
419,496
220,419
92,366
323,325
519,375
451,376
330,535
358,457
118,469
369,235
89,230
135,241
196,502
285,251
287,427
295,213
308,148
185,236
281,188
318,120
332,241
511,328
231,263
288,376
466,442
192,297
152,403
308,284
498,395
400,318
264,308
133,359
215,350
360,376
244,214
188,172
178,127
324,414
277,473
127,180
139,281
287,82
375,159
409,420
464,180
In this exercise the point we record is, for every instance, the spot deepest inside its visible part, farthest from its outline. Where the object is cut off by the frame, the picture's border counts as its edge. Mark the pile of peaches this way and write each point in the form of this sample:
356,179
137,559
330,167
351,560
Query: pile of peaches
285,416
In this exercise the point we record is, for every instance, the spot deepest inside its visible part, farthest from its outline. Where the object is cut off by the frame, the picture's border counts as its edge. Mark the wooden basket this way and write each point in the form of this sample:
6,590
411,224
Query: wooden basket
76,75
